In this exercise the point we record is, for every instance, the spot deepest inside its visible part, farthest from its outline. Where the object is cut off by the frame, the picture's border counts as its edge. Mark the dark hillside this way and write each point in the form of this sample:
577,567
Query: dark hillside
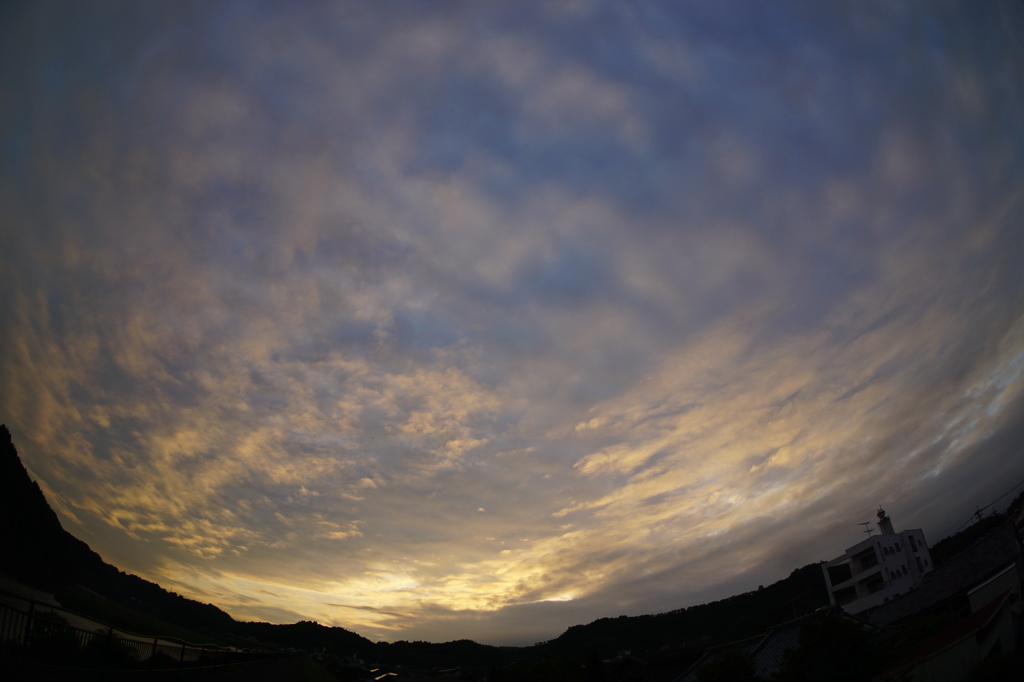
464,653
307,636
36,549
737,617
38,552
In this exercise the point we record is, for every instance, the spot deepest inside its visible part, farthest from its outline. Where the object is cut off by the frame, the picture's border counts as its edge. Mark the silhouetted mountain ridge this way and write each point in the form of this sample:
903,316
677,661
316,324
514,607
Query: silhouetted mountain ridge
742,615
39,552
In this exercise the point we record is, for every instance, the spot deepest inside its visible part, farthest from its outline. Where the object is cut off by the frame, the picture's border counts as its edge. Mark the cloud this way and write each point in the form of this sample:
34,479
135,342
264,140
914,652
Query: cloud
289,298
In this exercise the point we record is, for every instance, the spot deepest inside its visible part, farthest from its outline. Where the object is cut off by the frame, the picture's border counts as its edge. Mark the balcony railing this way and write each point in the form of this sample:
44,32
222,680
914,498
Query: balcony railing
33,635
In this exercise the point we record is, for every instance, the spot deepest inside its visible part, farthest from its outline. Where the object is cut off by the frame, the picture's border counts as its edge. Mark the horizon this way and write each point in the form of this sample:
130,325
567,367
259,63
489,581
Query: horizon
463,321
993,509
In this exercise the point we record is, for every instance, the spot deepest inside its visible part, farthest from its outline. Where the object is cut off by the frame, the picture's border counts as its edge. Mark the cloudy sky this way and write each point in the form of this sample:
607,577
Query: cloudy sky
446,319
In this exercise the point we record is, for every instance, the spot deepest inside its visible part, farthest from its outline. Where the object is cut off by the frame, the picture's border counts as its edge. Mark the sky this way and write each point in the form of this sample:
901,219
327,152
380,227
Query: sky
442,320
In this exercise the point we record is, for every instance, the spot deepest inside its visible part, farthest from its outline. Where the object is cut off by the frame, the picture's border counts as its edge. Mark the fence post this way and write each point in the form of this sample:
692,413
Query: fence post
28,626
111,645
181,659
152,655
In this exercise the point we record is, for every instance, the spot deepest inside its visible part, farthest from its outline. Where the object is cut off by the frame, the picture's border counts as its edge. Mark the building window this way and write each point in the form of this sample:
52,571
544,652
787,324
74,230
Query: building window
839,574
875,584
846,595
867,559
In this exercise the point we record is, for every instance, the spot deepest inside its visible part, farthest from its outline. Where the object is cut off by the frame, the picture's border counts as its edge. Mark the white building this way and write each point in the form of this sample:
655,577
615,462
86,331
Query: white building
877,569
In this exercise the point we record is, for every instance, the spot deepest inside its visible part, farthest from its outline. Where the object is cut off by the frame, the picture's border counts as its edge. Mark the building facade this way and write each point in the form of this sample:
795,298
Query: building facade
877,569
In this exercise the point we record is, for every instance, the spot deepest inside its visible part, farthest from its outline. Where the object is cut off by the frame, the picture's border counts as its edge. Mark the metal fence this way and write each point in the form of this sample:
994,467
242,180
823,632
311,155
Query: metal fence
34,634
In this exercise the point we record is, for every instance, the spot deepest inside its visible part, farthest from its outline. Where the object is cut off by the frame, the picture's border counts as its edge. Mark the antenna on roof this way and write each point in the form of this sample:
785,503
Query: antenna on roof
867,528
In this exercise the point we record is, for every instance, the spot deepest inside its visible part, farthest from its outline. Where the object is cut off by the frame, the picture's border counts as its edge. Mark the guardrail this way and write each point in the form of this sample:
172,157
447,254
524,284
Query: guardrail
34,634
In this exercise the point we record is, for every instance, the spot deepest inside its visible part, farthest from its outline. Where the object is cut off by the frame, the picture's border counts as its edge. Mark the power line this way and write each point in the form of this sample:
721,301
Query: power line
977,511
